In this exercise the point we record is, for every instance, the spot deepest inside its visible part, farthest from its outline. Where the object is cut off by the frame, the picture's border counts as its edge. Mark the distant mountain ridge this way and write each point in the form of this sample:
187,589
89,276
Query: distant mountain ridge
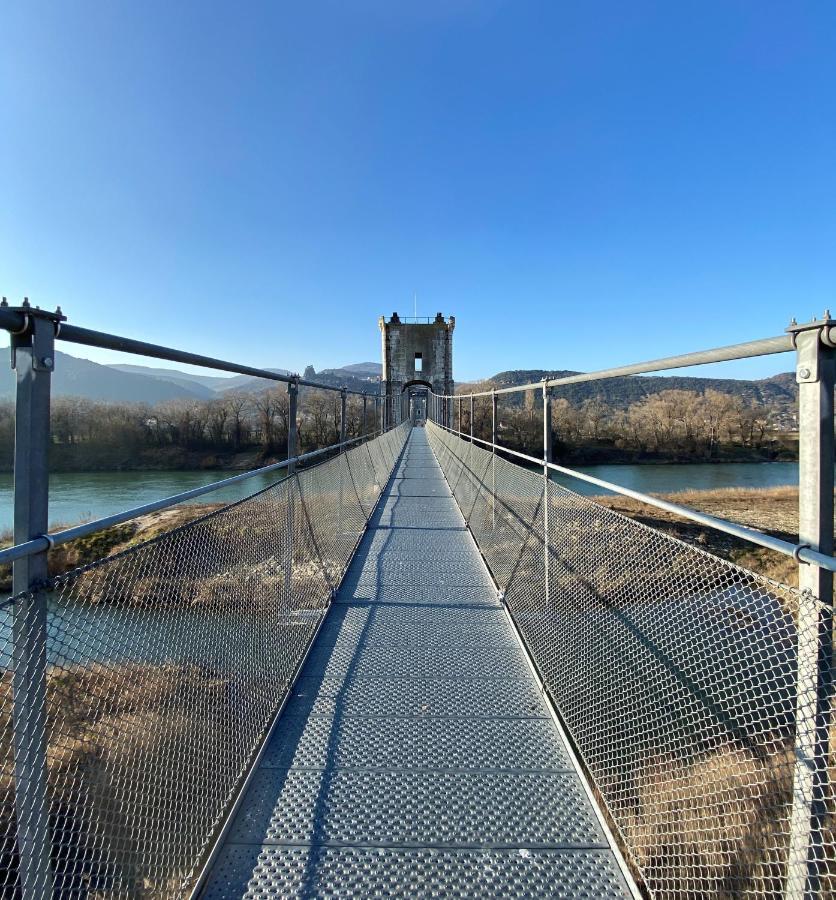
362,370
211,384
76,377
125,383
779,391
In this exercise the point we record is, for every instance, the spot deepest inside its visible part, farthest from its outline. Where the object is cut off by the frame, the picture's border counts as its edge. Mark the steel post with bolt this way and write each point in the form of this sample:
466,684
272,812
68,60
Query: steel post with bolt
815,375
365,399
493,456
547,458
292,448
344,461
470,460
33,359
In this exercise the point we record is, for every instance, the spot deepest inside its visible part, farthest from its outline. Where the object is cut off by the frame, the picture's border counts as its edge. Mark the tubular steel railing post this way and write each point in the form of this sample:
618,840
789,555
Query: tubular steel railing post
493,457
547,458
470,462
33,359
815,374
292,447
342,453
365,398
471,419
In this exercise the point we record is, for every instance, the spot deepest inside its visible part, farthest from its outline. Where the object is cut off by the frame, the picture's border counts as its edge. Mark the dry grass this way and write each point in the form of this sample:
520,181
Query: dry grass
112,731
108,541
771,510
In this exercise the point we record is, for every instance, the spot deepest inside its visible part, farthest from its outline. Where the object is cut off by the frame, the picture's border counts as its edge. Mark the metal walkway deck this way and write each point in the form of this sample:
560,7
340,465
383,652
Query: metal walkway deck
416,755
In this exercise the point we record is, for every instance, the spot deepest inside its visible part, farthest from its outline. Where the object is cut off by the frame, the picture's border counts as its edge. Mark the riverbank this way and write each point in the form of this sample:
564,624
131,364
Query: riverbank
110,541
83,458
607,453
771,510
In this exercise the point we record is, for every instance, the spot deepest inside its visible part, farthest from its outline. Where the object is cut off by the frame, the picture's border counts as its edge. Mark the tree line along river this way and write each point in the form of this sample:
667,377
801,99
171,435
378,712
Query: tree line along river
80,496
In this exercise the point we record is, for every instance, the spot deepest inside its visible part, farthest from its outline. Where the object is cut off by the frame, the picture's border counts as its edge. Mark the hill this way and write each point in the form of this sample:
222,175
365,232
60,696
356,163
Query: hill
779,391
76,377
358,370
211,385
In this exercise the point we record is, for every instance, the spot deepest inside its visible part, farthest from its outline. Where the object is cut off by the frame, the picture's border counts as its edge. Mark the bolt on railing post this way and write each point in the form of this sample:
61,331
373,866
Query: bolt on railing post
292,451
815,374
547,458
33,359
493,456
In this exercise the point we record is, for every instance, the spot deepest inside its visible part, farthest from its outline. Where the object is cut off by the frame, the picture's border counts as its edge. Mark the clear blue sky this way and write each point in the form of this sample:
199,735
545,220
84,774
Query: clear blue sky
581,184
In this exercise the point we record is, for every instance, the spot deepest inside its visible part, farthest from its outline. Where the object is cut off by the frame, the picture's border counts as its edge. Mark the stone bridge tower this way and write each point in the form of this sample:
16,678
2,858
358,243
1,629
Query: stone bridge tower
416,353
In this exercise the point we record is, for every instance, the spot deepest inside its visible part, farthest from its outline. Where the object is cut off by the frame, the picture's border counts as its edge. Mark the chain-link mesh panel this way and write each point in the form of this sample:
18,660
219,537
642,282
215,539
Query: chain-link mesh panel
676,674
165,666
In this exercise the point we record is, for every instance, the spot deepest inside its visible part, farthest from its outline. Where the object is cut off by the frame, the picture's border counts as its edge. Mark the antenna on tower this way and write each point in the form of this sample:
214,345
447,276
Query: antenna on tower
415,302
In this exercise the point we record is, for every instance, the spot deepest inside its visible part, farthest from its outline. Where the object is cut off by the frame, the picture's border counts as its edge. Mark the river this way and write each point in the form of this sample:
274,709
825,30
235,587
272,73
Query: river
664,478
81,496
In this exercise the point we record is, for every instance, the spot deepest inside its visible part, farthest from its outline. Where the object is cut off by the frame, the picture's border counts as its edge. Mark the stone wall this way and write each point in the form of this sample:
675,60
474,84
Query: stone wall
401,341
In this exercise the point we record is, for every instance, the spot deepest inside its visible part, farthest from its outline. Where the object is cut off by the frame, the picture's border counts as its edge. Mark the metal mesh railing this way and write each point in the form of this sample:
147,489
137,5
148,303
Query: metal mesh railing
165,666
676,674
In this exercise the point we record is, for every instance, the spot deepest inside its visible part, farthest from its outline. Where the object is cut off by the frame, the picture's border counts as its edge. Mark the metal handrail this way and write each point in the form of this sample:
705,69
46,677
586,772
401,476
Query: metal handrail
815,374
798,551
782,343
15,322
53,539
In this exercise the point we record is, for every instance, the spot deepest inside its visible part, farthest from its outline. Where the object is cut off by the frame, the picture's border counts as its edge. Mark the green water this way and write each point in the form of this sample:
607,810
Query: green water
80,496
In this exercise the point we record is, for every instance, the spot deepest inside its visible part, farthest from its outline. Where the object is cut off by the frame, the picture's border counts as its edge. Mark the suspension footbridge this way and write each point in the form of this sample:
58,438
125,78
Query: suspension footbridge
417,754
415,665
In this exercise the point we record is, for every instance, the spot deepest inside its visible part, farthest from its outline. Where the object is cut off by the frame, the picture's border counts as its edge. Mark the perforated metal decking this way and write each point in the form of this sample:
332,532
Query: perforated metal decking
416,756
